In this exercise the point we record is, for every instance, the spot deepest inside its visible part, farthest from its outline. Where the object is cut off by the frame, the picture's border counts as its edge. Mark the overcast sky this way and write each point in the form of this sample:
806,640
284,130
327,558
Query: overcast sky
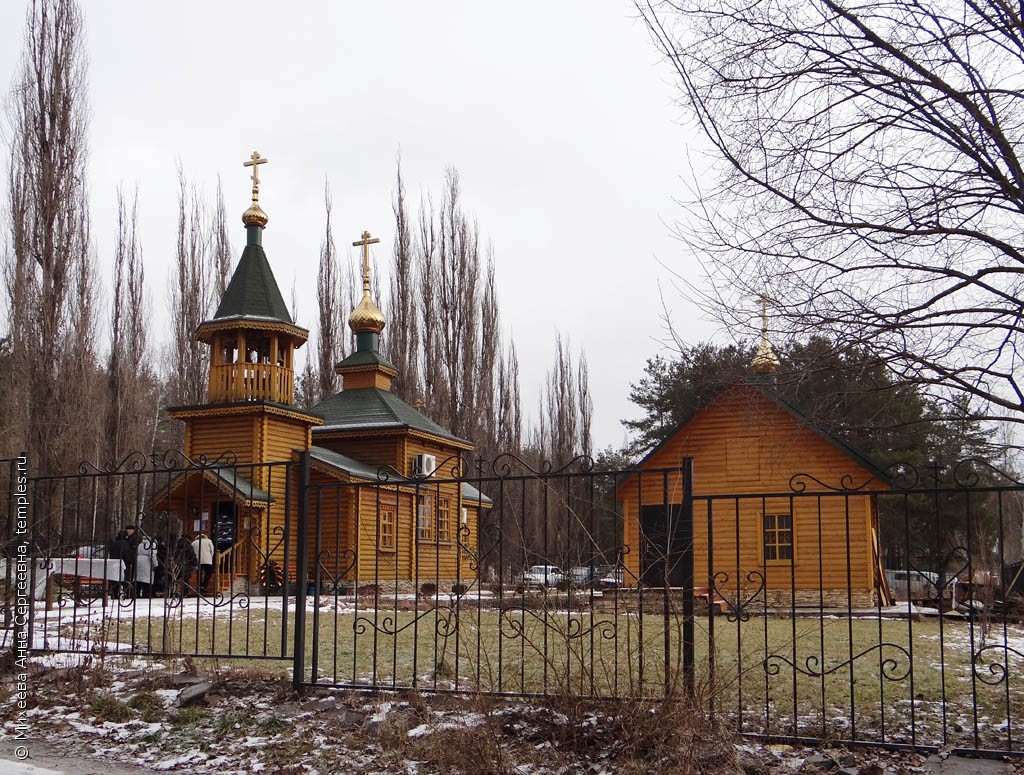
558,116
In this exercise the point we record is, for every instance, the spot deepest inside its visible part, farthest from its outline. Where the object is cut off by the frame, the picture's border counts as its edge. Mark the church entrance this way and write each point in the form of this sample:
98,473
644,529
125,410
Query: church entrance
665,536
224,530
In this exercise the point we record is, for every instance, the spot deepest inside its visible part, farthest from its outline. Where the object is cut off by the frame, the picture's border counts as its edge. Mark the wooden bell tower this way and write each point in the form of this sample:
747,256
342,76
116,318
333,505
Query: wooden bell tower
252,340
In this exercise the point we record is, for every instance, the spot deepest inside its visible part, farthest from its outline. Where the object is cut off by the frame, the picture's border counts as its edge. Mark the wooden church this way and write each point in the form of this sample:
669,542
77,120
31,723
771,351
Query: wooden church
380,506
745,443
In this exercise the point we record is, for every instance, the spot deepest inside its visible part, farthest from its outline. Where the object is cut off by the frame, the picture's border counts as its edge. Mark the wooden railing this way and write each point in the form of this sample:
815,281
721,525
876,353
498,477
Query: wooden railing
251,382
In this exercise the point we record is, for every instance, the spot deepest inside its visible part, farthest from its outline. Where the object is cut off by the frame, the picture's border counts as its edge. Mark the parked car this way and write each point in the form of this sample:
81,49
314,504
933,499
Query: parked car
920,586
612,578
589,575
541,576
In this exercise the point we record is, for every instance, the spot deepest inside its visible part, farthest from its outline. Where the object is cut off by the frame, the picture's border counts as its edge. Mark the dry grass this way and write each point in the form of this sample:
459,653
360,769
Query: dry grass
821,677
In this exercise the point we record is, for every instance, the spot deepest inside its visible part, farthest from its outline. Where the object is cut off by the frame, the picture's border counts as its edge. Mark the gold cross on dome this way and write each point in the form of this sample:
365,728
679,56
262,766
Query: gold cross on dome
365,243
254,161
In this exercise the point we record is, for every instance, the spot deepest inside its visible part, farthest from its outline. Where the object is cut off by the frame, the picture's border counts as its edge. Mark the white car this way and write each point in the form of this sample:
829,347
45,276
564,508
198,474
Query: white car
541,576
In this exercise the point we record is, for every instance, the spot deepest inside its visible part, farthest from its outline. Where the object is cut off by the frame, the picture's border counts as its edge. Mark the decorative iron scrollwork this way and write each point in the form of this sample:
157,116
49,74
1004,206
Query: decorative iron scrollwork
446,625
994,673
800,482
132,463
970,472
504,466
737,609
890,667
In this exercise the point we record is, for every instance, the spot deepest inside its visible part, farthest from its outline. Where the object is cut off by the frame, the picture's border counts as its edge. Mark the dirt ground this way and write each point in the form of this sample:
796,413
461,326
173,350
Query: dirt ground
122,717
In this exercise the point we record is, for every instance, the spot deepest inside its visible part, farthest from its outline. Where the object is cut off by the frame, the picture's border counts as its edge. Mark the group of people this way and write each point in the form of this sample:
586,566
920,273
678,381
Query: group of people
152,565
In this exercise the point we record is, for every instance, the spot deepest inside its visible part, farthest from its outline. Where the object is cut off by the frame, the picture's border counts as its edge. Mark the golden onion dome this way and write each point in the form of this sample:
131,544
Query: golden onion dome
366,316
765,360
255,216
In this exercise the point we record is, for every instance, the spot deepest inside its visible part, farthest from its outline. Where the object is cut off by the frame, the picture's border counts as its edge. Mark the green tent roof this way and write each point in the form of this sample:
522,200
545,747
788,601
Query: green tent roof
373,408
253,291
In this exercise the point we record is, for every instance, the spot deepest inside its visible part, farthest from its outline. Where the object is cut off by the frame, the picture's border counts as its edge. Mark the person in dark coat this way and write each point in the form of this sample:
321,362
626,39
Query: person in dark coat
124,547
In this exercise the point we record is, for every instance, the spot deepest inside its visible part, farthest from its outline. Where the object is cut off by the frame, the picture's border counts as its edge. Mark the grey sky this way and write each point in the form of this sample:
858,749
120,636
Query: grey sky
558,117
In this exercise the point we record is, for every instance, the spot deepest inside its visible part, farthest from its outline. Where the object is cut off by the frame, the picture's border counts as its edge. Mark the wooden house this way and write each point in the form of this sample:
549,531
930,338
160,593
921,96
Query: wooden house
752,454
383,506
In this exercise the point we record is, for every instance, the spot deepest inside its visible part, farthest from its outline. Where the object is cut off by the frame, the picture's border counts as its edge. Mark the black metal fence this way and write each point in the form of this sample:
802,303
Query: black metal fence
150,593
880,613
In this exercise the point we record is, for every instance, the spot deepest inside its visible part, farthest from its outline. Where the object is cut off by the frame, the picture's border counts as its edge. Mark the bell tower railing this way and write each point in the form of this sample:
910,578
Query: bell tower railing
251,382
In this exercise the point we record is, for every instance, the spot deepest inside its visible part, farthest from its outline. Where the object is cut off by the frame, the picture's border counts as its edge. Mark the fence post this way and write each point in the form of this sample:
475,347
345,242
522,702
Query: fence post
687,561
301,566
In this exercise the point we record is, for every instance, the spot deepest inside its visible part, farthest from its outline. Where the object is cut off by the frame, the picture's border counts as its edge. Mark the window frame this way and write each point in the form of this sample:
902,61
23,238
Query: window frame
426,526
443,522
771,538
387,520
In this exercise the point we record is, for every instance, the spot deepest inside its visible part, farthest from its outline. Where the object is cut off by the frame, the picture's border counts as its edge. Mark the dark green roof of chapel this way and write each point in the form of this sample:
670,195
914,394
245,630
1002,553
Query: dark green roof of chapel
366,358
374,409
253,291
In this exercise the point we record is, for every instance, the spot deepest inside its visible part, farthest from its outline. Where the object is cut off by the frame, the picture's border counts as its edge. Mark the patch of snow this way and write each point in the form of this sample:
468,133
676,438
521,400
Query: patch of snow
381,713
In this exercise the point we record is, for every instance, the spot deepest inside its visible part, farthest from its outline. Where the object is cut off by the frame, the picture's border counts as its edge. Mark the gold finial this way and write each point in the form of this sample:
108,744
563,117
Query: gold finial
765,360
255,216
365,243
366,316
418,405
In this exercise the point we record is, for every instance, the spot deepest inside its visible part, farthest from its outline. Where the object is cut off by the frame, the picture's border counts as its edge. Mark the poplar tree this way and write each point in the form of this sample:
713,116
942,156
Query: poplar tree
48,264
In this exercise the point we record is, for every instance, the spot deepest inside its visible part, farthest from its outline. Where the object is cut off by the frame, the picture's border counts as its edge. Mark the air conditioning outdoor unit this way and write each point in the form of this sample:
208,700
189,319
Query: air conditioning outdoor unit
465,516
425,465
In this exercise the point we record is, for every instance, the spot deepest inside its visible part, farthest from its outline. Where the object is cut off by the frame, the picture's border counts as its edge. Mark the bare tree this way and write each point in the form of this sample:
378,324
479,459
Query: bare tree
132,394
454,279
509,406
565,408
488,367
868,173
190,298
403,339
331,332
220,244
48,263
426,260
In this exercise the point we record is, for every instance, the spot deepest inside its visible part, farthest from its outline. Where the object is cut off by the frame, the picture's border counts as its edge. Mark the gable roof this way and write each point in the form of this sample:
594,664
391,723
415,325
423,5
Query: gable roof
375,409
253,291
846,449
227,481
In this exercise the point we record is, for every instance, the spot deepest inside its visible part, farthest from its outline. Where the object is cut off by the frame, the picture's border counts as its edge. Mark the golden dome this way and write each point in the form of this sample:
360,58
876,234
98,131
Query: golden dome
765,360
366,316
255,216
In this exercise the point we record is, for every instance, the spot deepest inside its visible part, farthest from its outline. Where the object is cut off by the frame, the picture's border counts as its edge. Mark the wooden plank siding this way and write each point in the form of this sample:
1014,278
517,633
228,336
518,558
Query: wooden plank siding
744,443
213,435
373,450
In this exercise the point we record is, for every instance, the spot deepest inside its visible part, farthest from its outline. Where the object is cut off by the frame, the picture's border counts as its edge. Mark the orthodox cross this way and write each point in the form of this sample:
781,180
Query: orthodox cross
254,161
764,300
365,243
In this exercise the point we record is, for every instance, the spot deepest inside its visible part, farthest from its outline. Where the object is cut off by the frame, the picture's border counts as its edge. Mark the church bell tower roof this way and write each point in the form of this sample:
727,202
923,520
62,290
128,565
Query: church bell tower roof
253,297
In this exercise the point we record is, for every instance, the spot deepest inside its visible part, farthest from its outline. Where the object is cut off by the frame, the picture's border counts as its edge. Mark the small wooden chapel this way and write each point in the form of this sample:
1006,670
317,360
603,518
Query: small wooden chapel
380,506
751,530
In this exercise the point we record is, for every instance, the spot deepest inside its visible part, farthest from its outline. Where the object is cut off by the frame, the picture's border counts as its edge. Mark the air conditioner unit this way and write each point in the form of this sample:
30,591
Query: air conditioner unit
425,465
465,516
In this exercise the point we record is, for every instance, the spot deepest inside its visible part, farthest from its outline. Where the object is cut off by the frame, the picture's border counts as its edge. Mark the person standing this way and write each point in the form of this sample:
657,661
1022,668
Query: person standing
123,547
202,547
145,567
